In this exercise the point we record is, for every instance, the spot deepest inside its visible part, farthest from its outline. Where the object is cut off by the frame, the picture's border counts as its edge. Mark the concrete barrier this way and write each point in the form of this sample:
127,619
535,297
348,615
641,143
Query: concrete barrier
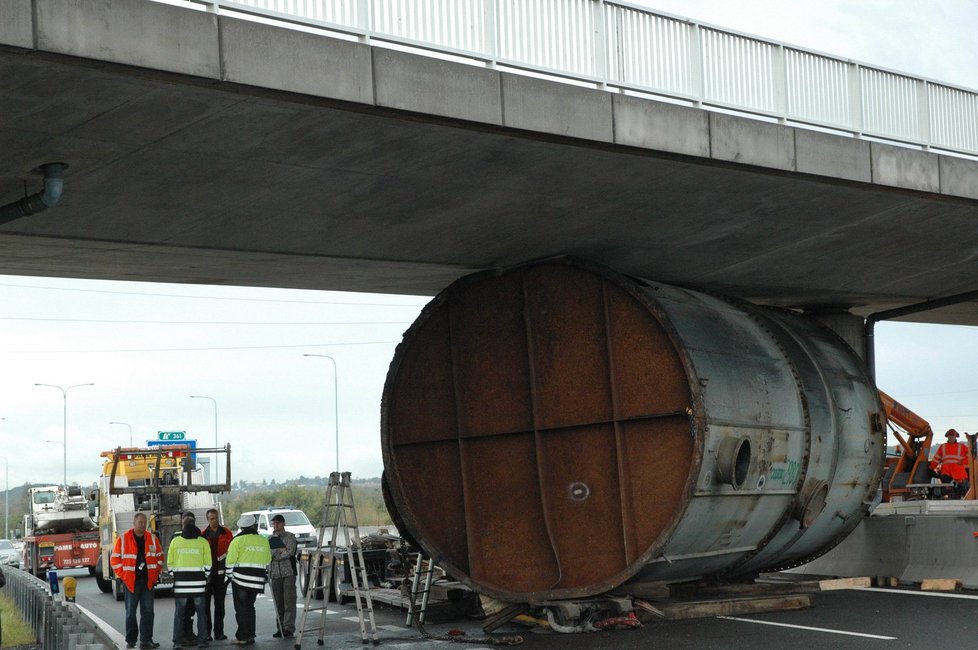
57,625
915,547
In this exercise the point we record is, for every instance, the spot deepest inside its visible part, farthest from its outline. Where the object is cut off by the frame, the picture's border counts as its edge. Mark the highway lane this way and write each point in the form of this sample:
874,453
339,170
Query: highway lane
856,619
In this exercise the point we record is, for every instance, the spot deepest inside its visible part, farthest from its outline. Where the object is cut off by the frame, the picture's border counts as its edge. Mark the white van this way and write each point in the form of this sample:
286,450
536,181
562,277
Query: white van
296,522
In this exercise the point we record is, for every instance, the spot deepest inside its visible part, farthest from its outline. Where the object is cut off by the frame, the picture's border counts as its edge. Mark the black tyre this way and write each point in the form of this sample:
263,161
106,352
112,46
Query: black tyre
105,586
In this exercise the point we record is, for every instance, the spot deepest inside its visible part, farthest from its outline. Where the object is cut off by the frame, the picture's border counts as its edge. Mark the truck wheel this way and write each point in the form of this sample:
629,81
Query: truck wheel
119,590
105,586
42,574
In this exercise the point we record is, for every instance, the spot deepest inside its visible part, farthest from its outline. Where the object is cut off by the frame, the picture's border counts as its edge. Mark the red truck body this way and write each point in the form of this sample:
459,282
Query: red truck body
43,553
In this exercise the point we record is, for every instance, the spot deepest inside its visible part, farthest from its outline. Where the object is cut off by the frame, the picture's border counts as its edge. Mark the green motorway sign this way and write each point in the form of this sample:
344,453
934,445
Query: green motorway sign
172,436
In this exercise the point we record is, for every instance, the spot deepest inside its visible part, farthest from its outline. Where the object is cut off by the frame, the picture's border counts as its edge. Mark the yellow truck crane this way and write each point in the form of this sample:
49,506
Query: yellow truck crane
161,482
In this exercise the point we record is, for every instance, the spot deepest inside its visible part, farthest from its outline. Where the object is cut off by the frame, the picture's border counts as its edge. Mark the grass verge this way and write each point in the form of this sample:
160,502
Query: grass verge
14,630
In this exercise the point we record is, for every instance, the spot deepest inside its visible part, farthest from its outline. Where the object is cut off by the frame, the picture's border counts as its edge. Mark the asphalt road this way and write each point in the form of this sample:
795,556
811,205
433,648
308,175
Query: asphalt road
857,619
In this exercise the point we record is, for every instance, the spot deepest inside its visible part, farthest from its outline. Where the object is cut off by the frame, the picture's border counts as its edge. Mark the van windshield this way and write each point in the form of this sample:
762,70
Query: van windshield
295,518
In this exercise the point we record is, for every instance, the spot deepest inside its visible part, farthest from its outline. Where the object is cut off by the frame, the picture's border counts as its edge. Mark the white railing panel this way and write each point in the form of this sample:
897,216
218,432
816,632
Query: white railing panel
455,24
817,88
338,12
890,107
738,71
648,51
614,43
547,34
954,118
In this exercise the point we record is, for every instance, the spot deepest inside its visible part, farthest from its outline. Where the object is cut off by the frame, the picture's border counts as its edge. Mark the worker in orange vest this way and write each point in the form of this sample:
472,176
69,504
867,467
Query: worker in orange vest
951,459
137,559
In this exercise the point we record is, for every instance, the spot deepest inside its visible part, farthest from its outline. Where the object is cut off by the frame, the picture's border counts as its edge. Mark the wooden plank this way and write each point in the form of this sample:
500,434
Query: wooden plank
653,590
844,583
760,589
647,611
504,616
940,584
704,609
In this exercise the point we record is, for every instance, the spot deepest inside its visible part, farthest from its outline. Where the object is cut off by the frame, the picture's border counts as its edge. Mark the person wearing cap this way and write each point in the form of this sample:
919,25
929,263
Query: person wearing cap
189,639
282,574
247,562
951,459
189,558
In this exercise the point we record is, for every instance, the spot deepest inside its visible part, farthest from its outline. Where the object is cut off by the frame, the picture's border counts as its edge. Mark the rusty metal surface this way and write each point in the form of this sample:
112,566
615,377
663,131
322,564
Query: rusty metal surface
555,429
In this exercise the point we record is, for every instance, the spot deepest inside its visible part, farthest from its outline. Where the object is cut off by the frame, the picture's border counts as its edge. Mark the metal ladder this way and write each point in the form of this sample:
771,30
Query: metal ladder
339,512
421,584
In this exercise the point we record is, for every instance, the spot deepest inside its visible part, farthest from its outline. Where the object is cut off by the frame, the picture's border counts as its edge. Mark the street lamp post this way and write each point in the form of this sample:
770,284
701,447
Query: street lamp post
64,424
217,460
6,503
130,430
6,492
336,402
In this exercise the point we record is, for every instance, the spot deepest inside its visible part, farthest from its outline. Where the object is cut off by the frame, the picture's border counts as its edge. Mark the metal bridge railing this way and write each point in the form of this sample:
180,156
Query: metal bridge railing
615,44
57,625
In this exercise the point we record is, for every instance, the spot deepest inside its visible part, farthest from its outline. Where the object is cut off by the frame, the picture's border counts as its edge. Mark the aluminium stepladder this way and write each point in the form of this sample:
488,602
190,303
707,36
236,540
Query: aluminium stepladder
339,513
424,571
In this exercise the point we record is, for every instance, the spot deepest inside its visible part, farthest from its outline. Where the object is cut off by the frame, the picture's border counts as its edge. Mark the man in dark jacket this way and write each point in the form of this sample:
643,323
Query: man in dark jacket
219,538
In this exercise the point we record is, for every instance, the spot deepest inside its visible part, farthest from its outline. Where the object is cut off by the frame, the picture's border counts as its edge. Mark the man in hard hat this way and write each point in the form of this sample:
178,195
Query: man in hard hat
952,459
247,562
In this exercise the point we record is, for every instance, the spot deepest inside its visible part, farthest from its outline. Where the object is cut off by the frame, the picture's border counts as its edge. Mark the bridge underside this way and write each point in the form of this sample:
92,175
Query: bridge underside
175,178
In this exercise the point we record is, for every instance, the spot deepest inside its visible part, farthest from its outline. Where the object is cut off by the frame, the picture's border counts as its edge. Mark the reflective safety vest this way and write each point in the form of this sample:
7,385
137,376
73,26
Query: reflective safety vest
190,562
248,558
123,559
954,453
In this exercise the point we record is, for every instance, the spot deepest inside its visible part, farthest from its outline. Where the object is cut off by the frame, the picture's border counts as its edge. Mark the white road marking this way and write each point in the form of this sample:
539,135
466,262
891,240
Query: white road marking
392,628
805,627
917,593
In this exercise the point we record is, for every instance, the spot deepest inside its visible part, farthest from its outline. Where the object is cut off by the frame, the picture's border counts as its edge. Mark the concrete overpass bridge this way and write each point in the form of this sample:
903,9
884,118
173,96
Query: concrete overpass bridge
206,147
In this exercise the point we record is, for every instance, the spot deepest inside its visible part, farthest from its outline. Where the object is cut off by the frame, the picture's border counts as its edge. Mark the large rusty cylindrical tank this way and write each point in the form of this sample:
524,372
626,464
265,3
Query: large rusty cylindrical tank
556,429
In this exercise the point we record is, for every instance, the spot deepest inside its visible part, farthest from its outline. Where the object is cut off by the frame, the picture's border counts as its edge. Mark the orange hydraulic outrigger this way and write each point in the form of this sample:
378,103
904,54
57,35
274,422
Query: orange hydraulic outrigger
914,435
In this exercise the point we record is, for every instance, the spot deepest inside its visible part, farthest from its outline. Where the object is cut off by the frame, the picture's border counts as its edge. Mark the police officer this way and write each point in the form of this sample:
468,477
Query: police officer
247,562
189,558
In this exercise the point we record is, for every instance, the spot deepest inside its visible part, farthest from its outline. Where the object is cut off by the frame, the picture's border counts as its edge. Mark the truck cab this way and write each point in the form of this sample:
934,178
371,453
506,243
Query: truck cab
163,483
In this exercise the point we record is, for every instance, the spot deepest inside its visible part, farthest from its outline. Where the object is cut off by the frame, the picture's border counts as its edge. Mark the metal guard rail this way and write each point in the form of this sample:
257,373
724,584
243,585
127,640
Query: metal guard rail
57,625
617,45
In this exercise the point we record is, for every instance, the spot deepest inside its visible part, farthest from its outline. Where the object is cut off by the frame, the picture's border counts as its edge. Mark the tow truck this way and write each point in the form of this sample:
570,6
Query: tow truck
161,482
58,532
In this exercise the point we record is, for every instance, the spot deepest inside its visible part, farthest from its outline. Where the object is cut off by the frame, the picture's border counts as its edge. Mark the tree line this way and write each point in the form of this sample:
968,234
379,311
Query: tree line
311,499
367,497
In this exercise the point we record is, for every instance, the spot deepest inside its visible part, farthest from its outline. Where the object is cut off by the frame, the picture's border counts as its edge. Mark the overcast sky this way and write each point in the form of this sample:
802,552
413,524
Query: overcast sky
147,348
